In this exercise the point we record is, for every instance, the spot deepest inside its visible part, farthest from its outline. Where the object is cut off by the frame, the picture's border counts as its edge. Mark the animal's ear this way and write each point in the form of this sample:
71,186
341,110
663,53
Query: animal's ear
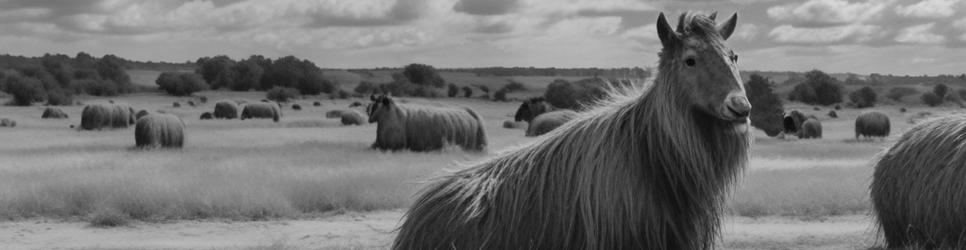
713,15
665,32
728,26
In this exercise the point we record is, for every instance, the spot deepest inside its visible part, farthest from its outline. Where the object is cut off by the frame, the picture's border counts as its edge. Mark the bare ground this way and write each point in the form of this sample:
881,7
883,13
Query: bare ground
374,230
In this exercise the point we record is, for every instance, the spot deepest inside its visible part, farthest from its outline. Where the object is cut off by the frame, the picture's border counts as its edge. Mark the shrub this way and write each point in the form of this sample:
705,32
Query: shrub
467,91
818,88
97,87
863,98
767,110
576,95
954,97
281,94
940,90
514,86
180,84
247,75
59,97
343,94
453,90
25,90
484,88
422,74
897,93
500,95
111,69
365,87
931,99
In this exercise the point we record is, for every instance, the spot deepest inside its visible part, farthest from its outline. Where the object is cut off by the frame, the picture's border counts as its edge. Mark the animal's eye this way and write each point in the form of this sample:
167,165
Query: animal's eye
690,62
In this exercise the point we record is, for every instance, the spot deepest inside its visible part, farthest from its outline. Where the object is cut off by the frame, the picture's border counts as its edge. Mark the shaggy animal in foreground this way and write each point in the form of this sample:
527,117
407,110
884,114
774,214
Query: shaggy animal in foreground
647,169
917,187
226,110
811,129
334,113
159,130
207,116
53,113
549,121
872,124
424,128
106,116
352,117
792,122
7,122
261,110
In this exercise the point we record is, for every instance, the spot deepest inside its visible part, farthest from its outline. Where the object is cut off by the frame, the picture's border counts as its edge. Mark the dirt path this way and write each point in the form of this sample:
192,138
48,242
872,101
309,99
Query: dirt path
374,231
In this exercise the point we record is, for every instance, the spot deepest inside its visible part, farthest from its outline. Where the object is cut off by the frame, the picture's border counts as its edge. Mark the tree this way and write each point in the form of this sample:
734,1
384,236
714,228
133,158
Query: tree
365,87
248,75
453,90
111,67
767,110
303,75
863,98
500,95
281,94
180,83
818,88
467,91
897,93
216,70
25,90
422,74
514,86
931,99
940,90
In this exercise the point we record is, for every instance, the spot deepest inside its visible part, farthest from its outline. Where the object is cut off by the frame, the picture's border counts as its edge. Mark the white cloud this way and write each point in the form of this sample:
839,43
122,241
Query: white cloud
746,31
829,11
854,32
928,9
920,34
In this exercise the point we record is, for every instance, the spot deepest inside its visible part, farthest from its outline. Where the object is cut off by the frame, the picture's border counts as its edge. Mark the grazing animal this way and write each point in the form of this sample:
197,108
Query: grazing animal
207,116
261,110
7,122
53,113
191,103
793,122
334,113
917,187
317,104
531,108
203,99
838,107
512,124
296,107
107,116
159,130
353,117
872,124
424,128
226,110
547,122
902,110
176,105
833,114
355,104
811,129
140,114
647,169
816,109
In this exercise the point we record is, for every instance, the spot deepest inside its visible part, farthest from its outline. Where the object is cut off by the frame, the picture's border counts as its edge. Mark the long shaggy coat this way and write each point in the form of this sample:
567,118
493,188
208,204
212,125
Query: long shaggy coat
226,110
547,122
811,129
53,113
353,117
261,110
159,130
872,124
106,116
532,108
644,170
425,128
918,192
793,122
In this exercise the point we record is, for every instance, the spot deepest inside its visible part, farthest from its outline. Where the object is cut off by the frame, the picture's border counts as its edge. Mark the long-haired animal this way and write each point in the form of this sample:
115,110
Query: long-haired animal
206,116
226,110
102,116
872,124
424,128
159,130
647,169
140,114
261,110
793,122
352,117
531,108
53,113
549,121
334,113
917,189
811,129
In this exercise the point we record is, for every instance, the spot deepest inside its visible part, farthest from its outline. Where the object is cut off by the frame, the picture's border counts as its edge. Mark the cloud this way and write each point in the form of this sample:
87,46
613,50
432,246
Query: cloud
494,28
828,12
486,7
855,33
746,31
920,34
928,9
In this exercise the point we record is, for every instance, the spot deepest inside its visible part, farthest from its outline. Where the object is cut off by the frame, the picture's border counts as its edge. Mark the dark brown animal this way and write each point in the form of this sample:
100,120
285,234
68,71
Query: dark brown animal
53,113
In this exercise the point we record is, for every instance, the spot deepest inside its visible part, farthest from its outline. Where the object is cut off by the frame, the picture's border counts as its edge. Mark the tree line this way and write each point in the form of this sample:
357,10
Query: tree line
55,78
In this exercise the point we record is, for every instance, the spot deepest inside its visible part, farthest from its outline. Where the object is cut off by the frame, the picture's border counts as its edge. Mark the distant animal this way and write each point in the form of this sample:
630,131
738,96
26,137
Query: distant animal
334,113
53,113
355,104
159,130
549,121
424,128
531,108
872,124
646,169
816,108
7,122
140,114
261,110
792,123
191,103
226,110
510,124
811,129
106,116
902,110
831,113
838,107
203,99
207,116
917,187
353,117
176,105
317,104
296,107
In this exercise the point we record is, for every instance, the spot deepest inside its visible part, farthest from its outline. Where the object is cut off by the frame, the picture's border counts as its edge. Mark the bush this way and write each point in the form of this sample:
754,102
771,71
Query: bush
954,97
453,90
863,98
281,94
500,95
897,93
25,90
97,87
365,87
514,86
111,69
343,94
60,97
931,99
180,84
940,90
467,91
422,74
576,95
818,88
484,88
247,75
767,110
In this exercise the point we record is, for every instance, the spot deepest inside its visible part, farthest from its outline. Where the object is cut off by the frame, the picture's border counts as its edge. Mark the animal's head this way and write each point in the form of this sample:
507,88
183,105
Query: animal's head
529,109
705,69
523,113
381,105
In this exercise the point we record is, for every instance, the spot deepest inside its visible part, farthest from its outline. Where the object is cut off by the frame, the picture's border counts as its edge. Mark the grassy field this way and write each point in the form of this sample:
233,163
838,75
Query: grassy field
309,166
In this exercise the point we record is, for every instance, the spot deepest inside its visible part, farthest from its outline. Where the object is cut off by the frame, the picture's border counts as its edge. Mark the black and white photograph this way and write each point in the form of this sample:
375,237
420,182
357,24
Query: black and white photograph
483,124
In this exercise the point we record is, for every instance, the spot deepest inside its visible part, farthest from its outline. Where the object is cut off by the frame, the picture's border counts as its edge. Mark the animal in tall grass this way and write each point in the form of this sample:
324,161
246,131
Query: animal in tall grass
872,124
261,110
7,122
226,109
792,123
646,169
811,129
53,113
531,108
207,116
107,116
917,187
159,130
352,117
549,121
424,128
296,107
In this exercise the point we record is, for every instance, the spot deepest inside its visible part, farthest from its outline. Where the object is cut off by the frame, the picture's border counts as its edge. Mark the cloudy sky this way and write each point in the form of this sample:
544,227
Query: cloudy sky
888,36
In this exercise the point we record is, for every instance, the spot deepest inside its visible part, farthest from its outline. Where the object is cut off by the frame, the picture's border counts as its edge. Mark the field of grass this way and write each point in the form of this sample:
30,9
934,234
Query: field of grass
309,166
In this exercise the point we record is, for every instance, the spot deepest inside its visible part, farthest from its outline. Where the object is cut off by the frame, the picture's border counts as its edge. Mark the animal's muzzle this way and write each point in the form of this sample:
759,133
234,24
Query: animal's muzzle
739,106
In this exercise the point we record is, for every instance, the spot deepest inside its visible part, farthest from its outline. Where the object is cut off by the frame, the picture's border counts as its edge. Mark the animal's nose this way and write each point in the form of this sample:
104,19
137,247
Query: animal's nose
740,106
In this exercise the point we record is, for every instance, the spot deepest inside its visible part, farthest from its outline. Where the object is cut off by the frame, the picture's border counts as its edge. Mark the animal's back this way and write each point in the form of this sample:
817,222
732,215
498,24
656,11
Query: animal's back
549,121
431,128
